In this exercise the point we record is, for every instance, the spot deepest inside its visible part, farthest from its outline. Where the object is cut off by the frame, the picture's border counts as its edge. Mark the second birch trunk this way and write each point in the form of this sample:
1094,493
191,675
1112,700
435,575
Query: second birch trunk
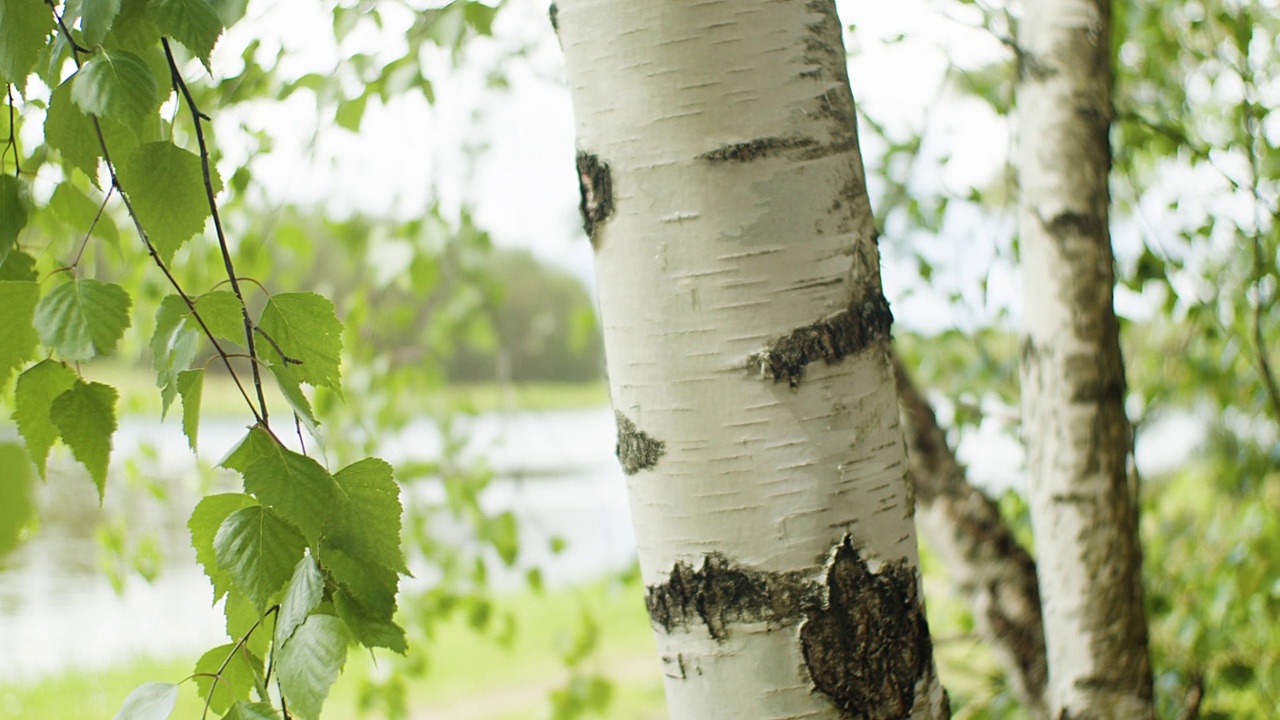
1083,509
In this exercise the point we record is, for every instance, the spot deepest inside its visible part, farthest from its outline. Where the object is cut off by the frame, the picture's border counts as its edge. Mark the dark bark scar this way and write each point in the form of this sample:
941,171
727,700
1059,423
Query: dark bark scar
863,634
868,646
596,187
831,339
636,450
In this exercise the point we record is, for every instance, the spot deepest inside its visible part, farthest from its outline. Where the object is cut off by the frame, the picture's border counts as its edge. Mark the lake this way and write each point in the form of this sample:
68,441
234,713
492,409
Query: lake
555,470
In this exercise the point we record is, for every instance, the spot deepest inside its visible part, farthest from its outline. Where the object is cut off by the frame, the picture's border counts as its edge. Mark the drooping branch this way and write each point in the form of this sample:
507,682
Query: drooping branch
197,119
76,51
991,569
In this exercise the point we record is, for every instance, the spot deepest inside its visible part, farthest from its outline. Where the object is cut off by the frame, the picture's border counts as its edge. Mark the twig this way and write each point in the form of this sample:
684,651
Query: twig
142,233
197,119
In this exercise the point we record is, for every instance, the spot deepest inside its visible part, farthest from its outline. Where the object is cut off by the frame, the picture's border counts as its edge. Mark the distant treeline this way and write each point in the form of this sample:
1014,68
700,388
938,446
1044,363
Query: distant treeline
543,326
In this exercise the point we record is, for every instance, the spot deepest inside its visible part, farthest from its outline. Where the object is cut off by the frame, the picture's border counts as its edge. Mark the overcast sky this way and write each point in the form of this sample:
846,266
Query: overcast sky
518,172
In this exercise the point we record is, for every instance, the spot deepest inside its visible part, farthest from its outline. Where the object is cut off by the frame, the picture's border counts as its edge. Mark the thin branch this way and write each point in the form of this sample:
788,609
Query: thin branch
1253,126
197,119
142,233
235,649
87,233
12,142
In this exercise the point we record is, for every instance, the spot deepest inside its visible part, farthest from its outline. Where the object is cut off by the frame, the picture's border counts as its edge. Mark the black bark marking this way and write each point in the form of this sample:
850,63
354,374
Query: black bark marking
553,13
864,635
721,593
1031,67
830,339
756,149
1069,224
596,187
636,450
869,646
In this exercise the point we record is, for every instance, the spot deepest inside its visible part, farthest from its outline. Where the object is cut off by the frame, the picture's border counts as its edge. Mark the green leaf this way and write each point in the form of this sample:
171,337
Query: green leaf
289,386
18,266
134,30
85,417
258,549
242,617
191,387
295,486
373,586
258,443
70,131
15,202
306,328
306,589
251,711
33,397
18,509
368,524
206,518
173,348
118,85
239,676
369,631
221,313
95,20
83,319
18,340
166,185
194,23
350,112
24,26
502,531
72,206
149,701
309,663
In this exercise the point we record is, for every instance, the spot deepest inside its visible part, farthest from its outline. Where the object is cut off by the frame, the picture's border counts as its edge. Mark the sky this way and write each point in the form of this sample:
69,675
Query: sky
508,154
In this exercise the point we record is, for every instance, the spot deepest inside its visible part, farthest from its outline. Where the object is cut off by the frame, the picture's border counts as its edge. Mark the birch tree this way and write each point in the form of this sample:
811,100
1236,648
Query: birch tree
747,344
1078,439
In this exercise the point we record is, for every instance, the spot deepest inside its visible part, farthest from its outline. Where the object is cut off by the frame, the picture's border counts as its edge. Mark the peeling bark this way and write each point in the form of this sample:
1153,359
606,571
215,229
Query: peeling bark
992,571
595,186
863,633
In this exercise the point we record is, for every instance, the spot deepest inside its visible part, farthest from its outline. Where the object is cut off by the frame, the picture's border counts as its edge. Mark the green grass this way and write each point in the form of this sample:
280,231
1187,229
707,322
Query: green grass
140,396
469,677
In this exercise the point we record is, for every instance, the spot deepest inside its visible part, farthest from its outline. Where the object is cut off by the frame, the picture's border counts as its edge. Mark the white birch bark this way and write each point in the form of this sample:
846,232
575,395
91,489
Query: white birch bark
747,338
1078,438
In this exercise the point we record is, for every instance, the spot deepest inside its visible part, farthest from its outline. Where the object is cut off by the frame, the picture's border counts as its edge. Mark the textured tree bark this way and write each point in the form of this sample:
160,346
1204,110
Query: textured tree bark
747,343
1083,509
992,571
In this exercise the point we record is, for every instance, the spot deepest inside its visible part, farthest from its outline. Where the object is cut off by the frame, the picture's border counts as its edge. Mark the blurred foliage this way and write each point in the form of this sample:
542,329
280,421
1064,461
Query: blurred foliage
544,326
1196,199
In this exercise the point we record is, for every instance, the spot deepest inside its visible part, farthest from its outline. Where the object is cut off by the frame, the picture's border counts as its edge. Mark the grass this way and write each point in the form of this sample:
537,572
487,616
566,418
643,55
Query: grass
469,677
139,395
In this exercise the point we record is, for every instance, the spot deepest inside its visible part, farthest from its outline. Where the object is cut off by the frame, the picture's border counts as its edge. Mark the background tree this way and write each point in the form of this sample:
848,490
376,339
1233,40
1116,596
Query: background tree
1083,505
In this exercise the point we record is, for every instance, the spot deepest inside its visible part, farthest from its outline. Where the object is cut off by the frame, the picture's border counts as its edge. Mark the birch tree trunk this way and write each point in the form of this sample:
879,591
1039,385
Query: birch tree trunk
1083,510
747,340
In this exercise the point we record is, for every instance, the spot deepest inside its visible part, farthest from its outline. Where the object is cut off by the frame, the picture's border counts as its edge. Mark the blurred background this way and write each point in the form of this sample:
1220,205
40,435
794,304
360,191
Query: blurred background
413,161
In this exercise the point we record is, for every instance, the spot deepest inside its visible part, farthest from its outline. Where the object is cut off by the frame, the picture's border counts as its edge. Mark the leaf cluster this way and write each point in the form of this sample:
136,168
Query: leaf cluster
308,561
